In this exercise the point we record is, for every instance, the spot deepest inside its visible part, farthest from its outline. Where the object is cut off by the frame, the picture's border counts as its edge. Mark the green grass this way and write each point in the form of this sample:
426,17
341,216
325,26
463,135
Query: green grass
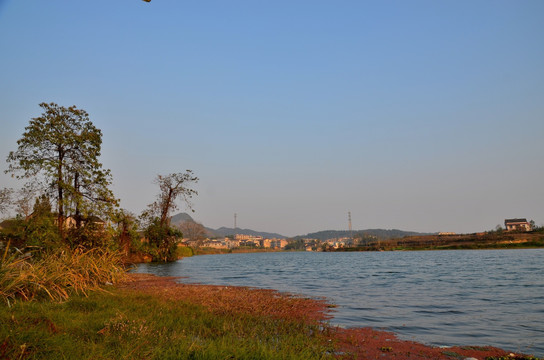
127,325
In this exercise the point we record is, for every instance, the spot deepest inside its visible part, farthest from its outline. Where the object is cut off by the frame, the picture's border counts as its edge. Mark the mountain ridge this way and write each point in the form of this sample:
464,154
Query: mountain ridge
382,234
223,231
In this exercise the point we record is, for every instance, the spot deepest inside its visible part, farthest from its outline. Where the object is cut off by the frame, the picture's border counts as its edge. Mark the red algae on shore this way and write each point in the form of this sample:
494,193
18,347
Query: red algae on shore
230,299
368,343
357,343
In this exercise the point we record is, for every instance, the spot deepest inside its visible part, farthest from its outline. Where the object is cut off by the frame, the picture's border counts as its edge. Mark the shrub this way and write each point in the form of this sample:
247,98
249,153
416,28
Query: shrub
184,251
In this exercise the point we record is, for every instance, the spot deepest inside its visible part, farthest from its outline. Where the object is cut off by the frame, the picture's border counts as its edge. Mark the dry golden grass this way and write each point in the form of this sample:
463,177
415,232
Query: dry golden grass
57,274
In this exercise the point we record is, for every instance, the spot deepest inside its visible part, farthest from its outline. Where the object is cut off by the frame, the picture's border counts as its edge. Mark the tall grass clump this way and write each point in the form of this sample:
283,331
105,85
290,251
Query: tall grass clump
11,281
57,274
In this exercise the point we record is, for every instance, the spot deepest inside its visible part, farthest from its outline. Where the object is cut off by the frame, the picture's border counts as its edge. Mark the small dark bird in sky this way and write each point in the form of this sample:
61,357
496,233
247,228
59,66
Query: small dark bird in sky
147,0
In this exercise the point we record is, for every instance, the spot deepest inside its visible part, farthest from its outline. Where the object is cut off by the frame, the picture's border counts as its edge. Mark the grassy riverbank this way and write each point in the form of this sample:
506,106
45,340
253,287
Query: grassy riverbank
147,317
80,304
128,322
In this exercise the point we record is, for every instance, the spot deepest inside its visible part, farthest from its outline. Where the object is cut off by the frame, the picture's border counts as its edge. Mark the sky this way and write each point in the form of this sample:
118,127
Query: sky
414,115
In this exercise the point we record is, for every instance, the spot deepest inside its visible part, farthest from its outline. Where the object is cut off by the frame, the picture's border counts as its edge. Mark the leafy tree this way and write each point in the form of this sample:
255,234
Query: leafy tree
162,240
127,230
63,146
40,229
297,244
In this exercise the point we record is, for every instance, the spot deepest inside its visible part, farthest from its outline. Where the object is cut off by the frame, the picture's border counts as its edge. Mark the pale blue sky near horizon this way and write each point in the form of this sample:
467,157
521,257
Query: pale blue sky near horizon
415,115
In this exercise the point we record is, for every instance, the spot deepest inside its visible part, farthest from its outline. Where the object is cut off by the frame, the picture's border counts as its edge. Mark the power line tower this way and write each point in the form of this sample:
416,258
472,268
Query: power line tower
350,229
235,215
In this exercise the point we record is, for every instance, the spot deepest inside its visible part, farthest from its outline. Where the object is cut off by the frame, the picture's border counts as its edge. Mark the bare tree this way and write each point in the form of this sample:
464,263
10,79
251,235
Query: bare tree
5,199
24,201
21,200
172,188
193,231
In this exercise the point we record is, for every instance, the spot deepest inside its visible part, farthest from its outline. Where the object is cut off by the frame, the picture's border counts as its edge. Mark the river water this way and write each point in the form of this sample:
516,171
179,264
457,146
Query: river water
443,298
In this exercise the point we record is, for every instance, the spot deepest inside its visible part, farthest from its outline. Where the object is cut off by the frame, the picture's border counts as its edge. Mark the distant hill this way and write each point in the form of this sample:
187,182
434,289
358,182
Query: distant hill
379,233
224,231
180,218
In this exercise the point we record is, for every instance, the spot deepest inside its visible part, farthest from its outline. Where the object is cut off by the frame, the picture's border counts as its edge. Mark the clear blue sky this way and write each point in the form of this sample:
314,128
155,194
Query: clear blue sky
417,115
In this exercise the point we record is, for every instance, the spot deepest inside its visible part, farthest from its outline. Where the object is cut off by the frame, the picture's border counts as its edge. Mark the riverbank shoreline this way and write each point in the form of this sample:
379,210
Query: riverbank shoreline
355,343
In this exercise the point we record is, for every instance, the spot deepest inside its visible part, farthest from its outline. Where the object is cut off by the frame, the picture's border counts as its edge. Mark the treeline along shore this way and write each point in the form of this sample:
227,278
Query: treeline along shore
484,240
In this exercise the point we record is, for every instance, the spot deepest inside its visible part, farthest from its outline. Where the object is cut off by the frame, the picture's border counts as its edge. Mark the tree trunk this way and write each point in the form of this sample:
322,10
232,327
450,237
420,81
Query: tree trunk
125,238
165,208
60,201
76,190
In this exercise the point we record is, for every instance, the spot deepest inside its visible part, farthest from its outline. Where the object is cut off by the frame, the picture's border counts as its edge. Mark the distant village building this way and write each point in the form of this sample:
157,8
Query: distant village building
517,225
278,243
241,240
216,244
71,221
247,237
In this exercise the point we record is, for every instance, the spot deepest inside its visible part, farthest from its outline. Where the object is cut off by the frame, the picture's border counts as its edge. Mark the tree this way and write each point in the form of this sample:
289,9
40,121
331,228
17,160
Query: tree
173,187
5,199
162,240
39,229
127,229
193,231
63,146
297,244
25,196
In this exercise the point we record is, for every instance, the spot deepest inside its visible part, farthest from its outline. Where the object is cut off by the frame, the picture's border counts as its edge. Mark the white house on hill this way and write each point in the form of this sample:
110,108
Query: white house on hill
517,225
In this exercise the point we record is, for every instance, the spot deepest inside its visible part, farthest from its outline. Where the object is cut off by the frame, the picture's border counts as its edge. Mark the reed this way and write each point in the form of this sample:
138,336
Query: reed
57,274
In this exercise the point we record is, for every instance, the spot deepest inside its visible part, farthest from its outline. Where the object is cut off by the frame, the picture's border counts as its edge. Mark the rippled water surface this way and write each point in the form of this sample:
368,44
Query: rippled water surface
484,297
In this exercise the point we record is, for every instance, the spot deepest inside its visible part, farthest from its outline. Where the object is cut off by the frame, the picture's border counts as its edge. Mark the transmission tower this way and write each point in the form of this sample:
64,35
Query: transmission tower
350,229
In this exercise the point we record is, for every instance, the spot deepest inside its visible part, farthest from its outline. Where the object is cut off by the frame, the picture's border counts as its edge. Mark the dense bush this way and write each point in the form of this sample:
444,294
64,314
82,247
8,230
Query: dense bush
184,251
162,241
